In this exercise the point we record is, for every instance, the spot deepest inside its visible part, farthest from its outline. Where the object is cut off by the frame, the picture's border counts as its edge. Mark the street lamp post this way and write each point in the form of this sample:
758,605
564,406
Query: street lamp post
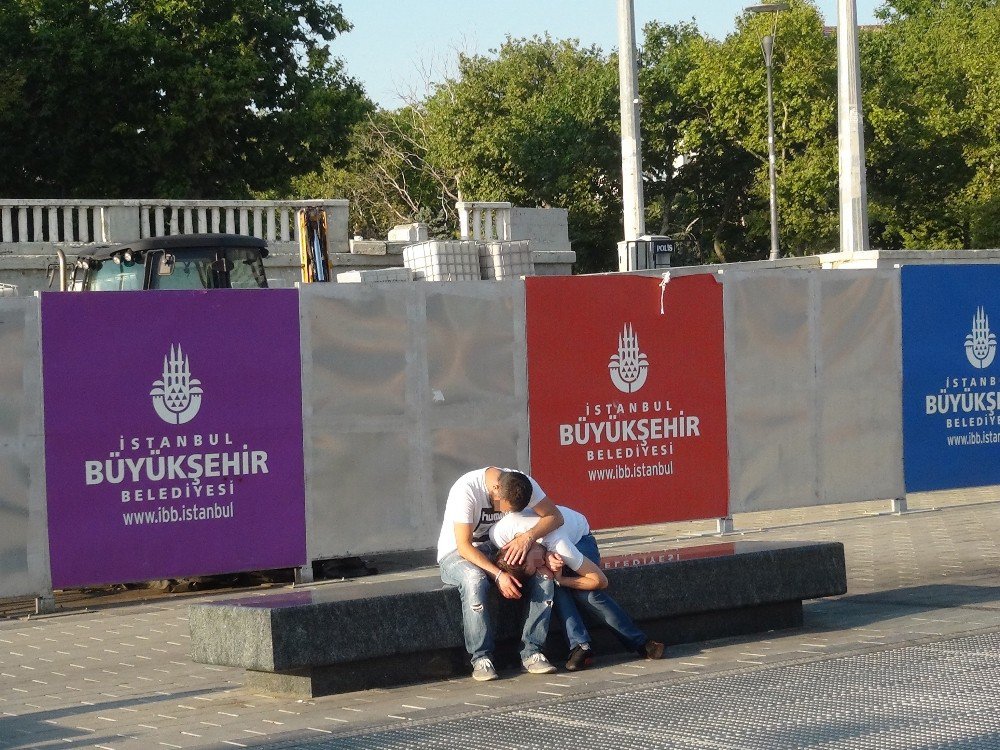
767,45
851,133
634,224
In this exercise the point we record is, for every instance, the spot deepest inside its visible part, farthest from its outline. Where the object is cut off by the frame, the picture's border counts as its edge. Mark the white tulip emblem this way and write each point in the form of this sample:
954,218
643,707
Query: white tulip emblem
176,398
629,366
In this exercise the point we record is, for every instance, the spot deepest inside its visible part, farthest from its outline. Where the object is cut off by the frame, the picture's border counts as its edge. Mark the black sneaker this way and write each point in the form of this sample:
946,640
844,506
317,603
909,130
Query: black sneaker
652,650
580,657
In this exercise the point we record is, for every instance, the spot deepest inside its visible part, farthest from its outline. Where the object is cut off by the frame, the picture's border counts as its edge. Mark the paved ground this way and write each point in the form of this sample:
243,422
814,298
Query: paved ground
909,658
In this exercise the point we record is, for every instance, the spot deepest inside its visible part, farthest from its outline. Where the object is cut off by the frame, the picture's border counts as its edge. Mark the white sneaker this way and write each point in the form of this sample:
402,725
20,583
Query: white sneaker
483,670
538,664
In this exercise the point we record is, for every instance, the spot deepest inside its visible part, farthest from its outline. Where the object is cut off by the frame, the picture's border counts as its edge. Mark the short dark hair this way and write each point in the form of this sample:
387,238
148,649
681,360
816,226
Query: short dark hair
520,572
515,488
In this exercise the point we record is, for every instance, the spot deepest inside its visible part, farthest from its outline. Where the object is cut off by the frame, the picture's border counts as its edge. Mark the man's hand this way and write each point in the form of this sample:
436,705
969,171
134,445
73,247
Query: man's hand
509,586
554,561
517,548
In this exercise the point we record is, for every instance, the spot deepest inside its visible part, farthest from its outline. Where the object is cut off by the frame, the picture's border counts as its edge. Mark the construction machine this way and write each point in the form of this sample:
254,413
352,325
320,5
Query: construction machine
182,261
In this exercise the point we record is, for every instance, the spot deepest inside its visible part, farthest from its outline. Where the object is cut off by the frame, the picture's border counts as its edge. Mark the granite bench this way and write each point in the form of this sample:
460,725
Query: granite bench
388,630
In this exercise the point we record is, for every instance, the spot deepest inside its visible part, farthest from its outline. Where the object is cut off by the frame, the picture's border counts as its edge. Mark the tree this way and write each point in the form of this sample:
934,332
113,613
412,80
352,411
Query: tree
931,76
388,177
536,126
670,55
697,174
708,105
536,123
172,98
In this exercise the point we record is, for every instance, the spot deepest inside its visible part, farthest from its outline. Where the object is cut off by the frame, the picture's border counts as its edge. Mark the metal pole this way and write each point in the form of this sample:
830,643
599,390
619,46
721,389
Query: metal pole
850,127
634,219
767,44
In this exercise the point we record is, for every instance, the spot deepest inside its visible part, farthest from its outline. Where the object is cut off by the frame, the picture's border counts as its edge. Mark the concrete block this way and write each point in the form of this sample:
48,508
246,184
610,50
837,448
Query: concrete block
545,228
368,247
444,260
410,233
376,276
337,226
506,259
119,224
396,247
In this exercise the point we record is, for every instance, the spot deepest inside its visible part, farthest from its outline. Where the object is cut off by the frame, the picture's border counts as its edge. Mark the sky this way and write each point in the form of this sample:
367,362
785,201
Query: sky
398,47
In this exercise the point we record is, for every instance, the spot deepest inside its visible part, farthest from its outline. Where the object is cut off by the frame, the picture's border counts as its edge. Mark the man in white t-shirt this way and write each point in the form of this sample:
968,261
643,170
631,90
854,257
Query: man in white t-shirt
466,556
573,546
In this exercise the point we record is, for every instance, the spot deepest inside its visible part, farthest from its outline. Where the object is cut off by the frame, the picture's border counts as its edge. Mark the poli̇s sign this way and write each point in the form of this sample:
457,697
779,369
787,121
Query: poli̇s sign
951,376
173,434
626,396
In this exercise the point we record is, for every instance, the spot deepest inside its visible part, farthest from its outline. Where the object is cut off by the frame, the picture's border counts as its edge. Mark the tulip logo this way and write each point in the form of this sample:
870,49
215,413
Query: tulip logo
981,344
177,397
629,366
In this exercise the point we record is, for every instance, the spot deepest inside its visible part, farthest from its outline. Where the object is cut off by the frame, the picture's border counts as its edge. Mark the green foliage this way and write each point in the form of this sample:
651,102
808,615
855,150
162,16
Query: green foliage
985,225
537,126
173,98
708,102
227,98
536,123
931,79
388,176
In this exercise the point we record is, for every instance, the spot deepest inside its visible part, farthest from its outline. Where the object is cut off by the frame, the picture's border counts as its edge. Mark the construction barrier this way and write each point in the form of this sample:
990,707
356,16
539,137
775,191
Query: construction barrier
286,426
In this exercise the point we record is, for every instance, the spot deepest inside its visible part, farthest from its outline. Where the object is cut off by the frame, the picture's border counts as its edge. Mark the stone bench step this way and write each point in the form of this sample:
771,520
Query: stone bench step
350,636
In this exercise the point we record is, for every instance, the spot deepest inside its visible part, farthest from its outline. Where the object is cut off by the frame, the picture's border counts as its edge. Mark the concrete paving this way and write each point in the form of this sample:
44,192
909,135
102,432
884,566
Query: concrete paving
908,659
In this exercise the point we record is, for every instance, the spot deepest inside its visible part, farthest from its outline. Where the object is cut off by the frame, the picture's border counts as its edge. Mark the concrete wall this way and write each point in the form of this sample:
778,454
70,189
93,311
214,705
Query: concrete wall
31,231
546,228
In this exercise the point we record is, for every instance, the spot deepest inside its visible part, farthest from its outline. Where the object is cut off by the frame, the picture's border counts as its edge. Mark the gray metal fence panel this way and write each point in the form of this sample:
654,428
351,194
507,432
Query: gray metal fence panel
24,568
477,380
813,375
771,408
406,386
859,386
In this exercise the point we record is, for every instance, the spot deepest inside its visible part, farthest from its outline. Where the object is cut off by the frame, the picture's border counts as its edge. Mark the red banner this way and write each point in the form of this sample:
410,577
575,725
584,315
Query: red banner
627,396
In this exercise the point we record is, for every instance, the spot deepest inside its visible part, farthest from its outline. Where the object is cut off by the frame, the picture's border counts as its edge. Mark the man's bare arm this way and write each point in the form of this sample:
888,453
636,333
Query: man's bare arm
588,577
549,519
508,585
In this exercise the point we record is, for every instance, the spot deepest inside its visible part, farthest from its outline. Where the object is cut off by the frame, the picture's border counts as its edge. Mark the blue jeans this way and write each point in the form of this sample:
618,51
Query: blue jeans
475,585
598,603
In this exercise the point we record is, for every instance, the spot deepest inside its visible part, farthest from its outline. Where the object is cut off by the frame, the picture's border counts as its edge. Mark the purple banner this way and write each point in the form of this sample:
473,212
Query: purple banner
173,434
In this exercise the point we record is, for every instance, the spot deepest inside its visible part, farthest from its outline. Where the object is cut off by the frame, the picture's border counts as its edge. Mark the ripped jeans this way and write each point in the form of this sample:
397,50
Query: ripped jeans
475,587
599,604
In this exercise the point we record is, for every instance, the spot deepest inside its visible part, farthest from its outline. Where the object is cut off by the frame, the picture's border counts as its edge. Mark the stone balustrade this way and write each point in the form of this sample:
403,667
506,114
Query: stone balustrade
547,229
484,221
31,231
83,222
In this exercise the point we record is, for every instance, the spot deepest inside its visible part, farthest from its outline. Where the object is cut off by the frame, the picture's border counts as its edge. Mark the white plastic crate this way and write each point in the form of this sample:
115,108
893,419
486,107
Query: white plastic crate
8,290
507,259
443,260
376,276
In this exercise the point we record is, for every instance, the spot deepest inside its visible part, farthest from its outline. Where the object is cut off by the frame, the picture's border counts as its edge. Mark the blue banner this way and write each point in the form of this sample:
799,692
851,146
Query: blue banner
951,393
